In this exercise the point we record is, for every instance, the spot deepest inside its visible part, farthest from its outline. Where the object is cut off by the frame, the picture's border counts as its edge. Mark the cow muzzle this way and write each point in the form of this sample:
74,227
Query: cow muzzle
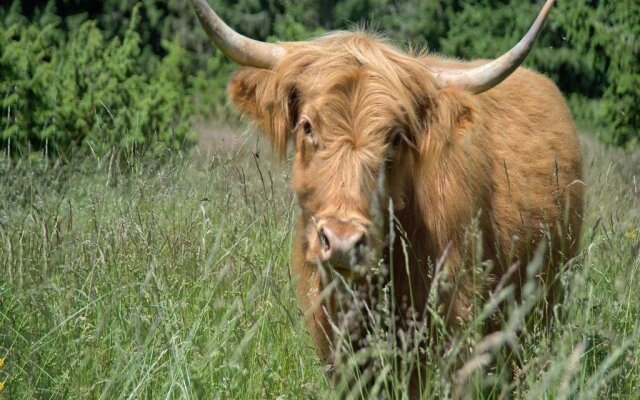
344,244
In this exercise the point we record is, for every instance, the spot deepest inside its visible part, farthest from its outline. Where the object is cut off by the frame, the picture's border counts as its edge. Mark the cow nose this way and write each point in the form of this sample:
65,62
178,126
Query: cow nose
343,244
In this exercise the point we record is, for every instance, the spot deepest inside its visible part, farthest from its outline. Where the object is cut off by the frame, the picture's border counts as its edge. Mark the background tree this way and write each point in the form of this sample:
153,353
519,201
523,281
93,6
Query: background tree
590,48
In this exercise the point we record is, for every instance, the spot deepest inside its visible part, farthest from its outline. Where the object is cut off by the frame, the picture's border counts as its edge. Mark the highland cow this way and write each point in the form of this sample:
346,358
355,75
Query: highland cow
449,144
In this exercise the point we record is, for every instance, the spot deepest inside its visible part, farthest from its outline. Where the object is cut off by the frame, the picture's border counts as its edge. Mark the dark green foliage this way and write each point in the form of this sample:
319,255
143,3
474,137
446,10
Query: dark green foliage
139,79
62,90
607,36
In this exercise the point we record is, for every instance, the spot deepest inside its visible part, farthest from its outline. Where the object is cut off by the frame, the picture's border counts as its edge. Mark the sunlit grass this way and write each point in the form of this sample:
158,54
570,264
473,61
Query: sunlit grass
171,280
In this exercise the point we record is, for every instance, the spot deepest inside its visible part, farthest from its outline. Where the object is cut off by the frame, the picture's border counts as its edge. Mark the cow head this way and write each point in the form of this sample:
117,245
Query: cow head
352,110
359,114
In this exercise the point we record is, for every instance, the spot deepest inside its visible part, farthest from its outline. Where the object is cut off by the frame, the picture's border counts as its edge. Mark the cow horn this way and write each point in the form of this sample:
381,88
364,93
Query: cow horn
239,48
484,77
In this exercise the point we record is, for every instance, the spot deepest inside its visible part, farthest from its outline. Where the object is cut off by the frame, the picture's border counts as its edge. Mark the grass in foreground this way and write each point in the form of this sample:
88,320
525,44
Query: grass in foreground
172,281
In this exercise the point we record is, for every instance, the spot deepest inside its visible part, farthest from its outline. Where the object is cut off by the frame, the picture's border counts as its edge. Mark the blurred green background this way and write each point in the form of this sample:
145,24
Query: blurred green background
82,75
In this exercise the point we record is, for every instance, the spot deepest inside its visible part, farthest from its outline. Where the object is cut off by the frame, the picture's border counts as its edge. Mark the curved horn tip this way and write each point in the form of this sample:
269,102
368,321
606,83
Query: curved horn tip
485,77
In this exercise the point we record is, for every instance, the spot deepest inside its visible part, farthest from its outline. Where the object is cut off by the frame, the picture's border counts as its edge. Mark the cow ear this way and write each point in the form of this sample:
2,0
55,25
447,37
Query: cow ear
258,94
455,110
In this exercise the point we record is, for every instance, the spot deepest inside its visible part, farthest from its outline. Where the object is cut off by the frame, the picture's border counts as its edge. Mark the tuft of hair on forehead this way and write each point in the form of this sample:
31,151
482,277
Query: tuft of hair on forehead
360,66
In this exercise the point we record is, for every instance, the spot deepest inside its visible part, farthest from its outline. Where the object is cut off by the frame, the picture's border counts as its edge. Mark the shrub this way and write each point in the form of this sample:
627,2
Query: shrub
589,48
67,90
607,36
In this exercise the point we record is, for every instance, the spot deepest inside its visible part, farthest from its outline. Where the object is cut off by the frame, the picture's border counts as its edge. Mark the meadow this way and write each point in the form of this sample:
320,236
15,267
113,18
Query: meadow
169,278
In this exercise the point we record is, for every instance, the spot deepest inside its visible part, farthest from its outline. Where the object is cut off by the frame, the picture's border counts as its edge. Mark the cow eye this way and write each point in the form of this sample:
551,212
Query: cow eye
306,126
396,139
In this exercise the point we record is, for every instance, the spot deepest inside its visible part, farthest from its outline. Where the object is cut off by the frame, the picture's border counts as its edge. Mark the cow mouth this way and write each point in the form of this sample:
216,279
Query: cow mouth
350,272
347,271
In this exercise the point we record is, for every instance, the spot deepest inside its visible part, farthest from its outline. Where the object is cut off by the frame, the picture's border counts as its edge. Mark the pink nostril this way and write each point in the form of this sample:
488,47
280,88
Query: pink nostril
341,243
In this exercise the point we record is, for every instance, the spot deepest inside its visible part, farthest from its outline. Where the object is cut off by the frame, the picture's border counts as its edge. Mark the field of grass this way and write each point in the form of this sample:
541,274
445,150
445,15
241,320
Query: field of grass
170,279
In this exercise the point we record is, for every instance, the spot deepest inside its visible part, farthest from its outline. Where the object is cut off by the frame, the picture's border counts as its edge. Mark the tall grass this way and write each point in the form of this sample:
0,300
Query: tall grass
171,280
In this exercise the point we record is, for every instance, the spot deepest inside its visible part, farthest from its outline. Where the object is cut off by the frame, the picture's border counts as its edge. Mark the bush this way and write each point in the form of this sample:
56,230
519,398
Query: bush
67,90
607,36
589,48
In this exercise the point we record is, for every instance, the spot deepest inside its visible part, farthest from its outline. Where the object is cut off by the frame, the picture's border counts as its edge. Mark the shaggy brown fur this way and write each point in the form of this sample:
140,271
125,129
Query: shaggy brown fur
507,158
